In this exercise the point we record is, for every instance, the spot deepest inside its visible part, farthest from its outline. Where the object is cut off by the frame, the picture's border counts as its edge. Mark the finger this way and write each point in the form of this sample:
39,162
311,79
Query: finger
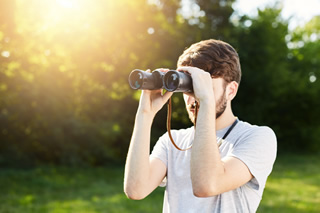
146,91
166,96
156,93
163,69
143,92
190,70
185,68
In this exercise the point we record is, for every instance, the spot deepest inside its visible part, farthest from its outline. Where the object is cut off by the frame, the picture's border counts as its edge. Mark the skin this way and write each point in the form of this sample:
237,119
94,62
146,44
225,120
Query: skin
209,174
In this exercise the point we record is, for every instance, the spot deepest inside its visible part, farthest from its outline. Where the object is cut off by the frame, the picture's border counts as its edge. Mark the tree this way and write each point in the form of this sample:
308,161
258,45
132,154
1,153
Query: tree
275,89
64,69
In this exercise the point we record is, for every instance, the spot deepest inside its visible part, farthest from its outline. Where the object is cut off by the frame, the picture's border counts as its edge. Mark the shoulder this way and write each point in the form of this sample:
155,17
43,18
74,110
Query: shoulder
256,146
248,130
253,137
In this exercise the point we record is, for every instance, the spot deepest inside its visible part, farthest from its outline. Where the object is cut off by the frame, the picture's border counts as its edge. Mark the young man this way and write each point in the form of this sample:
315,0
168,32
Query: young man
229,162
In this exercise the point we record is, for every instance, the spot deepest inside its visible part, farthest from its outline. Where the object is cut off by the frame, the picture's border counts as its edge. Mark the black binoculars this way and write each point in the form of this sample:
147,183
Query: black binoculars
172,81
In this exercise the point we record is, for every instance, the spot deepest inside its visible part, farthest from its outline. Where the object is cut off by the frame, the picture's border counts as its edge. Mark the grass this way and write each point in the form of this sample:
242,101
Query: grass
294,186
64,190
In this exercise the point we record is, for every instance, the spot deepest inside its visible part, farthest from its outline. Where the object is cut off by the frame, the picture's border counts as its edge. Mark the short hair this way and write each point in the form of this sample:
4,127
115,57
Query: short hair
218,58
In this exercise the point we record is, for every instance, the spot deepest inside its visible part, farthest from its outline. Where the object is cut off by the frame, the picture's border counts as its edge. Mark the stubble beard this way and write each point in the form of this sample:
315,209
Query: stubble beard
221,106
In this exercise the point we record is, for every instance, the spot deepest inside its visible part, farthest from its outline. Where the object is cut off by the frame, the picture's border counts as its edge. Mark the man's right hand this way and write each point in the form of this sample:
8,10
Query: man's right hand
151,101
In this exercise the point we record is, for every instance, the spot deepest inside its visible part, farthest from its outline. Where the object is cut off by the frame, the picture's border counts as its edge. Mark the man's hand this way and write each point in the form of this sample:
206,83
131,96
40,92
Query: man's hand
202,84
151,101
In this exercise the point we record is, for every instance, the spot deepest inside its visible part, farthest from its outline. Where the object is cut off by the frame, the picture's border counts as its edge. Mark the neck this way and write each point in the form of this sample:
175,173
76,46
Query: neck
226,119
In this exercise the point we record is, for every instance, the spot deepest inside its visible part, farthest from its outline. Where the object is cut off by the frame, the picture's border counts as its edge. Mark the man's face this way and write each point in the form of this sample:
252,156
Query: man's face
219,89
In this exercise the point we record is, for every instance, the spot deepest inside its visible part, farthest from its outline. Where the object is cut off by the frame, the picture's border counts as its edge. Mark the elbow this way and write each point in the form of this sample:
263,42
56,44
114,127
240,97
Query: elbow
203,193
133,194
206,186
204,190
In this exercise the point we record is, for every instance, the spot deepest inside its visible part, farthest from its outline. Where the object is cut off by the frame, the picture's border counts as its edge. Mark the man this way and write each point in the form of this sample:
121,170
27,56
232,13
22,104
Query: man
215,175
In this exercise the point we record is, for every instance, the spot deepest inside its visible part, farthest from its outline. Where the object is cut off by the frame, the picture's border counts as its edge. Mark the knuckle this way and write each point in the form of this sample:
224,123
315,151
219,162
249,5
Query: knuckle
207,74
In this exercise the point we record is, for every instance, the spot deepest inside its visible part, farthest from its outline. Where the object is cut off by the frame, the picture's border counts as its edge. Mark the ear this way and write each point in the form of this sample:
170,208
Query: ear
231,90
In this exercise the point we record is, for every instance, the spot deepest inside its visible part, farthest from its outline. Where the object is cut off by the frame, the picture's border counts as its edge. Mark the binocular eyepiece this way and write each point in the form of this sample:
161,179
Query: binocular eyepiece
172,81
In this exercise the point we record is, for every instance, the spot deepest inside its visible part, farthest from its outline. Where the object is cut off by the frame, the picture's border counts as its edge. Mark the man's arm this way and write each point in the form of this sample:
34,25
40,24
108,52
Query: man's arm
209,174
142,173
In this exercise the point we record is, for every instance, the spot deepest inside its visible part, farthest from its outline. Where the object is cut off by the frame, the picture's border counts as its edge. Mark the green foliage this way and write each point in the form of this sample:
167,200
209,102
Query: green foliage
64,92
64,68
276,90
64,96
304,62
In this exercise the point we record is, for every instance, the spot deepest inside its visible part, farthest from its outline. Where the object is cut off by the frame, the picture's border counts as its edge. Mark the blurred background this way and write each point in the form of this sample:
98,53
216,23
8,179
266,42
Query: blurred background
67,111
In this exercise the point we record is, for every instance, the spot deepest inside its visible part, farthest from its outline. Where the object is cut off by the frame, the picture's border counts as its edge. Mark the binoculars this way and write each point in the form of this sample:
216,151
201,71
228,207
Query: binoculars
172,81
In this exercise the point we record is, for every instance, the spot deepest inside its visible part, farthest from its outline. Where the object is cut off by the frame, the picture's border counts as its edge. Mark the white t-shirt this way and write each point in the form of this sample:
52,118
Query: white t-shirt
255,146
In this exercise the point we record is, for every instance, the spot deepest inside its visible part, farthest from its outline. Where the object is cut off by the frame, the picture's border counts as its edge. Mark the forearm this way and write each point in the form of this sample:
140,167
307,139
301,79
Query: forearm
137,165
206,165
142,175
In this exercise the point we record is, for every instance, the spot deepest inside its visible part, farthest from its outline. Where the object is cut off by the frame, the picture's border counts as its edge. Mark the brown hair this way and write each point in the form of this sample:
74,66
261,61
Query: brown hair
216,57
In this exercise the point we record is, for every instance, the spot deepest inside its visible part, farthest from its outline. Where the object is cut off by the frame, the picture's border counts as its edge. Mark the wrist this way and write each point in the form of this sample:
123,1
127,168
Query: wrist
208,107
144,116
208,101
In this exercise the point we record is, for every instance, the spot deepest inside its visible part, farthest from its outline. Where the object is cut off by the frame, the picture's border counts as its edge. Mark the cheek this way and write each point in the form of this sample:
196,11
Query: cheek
218,88
218,92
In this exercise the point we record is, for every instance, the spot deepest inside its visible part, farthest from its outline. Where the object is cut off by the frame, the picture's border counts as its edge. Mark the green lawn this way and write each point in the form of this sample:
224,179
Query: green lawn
294,186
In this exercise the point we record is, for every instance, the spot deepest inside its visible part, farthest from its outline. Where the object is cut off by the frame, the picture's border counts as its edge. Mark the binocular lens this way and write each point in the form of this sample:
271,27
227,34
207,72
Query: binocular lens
172,82
138,80
176,81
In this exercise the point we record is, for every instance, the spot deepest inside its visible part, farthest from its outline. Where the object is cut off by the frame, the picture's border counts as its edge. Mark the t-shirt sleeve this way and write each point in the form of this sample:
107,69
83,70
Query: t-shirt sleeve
160,150
258,151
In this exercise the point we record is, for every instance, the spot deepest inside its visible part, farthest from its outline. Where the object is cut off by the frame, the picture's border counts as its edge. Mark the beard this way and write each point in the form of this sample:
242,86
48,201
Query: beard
221,106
